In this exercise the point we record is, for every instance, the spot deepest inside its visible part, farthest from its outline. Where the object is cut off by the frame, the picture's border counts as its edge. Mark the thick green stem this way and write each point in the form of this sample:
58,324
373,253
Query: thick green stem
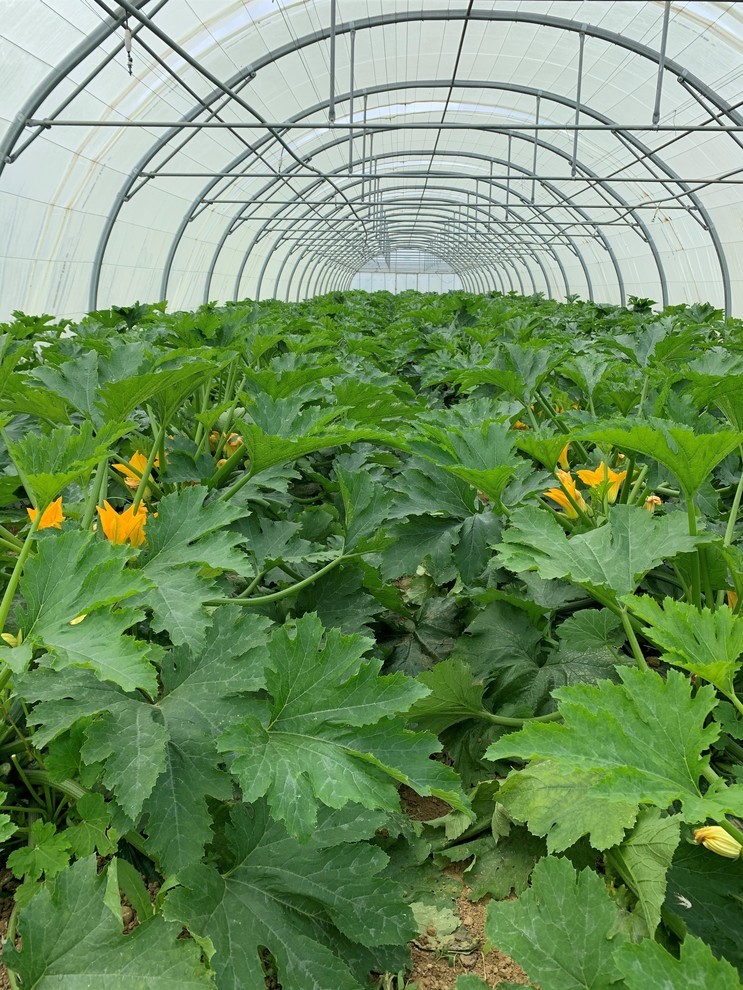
643,396
633,642
11,538
223,472
517,723
638,485
696,573
284,593
733,517
627,483
159,438
94,494
17,570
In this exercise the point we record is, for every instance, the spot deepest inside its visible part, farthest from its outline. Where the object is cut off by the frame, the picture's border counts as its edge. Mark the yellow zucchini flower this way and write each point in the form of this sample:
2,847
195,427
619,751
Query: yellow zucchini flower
652,502
124,527
717,840
562,460
138,461
559,495
51,517
602,476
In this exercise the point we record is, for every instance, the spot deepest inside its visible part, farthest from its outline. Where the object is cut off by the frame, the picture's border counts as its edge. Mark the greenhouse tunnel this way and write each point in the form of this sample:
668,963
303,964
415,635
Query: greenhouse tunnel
196,150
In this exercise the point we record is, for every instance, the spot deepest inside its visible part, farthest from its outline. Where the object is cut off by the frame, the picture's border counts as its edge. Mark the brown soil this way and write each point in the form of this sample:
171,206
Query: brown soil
436,970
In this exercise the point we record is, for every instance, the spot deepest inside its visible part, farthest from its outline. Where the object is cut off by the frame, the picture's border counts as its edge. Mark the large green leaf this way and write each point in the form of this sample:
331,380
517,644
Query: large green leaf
615,557
172,378
620,747
690,456
649,965
48,463
186,535
365,507
330,735
74,575
643,861
72,940
307,904
562,930
482,455
161,758
454,697
705,643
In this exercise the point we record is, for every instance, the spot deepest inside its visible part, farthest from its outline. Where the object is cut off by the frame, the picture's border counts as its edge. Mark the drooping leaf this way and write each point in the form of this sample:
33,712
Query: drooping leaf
72,940
307,904
424,638
615,557
561,930
425,540
690,456
330,734
608,746
48,463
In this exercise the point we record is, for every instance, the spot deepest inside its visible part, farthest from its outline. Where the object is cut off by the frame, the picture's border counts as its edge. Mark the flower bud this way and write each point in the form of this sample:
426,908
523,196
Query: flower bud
717,840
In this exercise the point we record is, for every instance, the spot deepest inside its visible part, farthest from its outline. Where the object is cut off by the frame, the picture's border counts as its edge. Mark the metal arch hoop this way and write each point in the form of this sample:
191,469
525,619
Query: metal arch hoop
435,202
473,155
83,50
537,20
474,84
486,249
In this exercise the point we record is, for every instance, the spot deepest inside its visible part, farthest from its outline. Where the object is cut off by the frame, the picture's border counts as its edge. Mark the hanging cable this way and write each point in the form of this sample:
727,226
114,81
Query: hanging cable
128,45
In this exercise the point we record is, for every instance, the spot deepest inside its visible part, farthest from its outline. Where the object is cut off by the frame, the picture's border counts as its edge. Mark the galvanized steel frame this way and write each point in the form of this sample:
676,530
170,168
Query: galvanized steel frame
8,145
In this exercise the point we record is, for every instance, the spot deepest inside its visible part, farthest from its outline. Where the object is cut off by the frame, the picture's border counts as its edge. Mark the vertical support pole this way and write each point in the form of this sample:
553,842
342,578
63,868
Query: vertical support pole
661,62
331,101
508,179
574,162
534,160
490,198
369,193
363,153
350,100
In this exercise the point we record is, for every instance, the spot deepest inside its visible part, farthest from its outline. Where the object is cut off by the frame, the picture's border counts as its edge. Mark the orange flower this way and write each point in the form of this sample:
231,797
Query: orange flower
732,599
138,461
562,460
232,442
651,502
559,495
124,527
518,425
51,517
604,476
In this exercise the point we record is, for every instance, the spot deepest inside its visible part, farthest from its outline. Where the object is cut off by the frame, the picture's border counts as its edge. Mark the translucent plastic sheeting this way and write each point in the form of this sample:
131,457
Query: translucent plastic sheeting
514,142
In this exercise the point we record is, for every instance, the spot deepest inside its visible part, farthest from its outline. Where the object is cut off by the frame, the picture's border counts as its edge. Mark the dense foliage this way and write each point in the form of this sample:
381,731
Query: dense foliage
266,563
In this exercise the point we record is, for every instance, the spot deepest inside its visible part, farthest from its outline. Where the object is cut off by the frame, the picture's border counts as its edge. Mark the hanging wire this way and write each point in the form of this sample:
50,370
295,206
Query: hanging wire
128,45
